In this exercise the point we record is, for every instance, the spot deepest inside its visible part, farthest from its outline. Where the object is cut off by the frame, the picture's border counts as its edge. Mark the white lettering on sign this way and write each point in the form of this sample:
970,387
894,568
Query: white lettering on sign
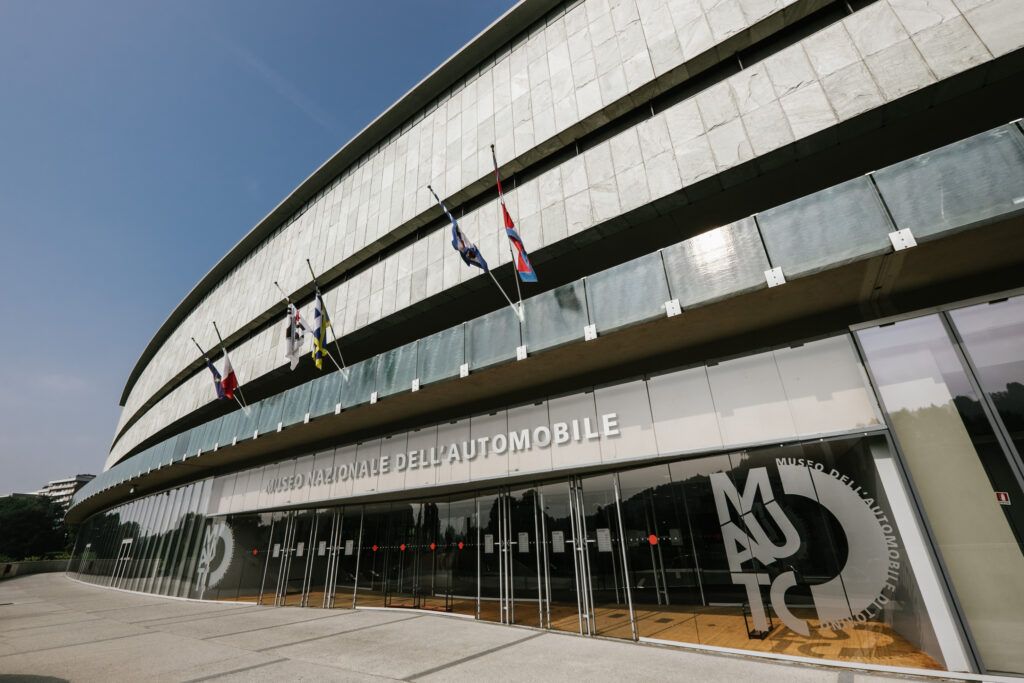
861,588
543,436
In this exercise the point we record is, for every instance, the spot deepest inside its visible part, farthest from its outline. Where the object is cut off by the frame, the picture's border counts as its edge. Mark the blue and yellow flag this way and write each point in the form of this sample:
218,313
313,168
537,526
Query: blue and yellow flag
321,321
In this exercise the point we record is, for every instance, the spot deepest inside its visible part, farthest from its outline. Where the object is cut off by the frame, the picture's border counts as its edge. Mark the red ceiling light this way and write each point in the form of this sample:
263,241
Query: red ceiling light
652,539
460,545
401,547
433,546
255,551
374,547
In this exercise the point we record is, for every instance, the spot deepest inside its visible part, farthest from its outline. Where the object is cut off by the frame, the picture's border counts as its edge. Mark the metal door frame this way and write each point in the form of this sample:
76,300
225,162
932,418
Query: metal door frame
124,556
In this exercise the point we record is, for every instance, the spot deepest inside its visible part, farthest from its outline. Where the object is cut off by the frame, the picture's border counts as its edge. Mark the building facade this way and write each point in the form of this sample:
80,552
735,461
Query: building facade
764,397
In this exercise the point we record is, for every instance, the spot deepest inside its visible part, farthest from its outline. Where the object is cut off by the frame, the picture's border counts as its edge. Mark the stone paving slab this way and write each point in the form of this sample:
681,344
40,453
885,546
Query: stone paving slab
57,629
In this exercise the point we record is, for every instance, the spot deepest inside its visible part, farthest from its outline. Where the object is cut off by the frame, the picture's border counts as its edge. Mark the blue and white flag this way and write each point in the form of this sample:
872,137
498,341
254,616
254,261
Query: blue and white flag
467,250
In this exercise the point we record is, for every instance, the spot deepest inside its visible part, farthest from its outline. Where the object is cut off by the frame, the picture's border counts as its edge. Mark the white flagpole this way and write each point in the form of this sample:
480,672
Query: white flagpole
518,312
238,389
343,368
511,251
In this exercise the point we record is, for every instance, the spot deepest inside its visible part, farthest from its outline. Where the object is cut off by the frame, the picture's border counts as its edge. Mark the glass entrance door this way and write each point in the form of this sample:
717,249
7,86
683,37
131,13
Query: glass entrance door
605,603
124,556
295,560
322,555
286,570
510,570
344,562
560,573
402,586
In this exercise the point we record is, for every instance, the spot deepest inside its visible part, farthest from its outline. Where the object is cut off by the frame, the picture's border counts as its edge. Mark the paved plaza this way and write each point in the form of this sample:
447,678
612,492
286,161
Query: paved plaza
53,628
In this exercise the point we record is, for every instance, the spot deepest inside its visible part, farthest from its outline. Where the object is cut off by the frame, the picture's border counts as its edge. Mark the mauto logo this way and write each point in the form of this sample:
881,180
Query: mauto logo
863,586
215,556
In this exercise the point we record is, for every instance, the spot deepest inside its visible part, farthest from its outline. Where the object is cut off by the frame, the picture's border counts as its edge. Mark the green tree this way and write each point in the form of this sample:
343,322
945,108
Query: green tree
30,527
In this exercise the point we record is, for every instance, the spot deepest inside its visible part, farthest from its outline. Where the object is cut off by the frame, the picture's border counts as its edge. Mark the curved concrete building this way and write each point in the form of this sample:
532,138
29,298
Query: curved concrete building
766,394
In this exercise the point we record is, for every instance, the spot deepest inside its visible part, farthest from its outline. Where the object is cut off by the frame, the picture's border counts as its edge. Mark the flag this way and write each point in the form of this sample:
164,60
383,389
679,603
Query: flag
467,250
294,335
229,382
321,321
523,265
216,378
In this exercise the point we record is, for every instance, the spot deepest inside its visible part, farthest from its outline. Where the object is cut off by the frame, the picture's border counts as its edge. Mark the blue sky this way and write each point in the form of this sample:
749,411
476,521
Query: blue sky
139,141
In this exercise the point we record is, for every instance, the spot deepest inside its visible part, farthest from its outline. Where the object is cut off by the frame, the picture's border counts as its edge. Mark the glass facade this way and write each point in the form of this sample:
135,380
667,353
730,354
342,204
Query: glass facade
793,550
949,382
845,541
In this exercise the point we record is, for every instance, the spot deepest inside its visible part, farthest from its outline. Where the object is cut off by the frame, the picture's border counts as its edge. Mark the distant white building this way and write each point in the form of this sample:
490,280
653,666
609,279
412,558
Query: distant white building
61,490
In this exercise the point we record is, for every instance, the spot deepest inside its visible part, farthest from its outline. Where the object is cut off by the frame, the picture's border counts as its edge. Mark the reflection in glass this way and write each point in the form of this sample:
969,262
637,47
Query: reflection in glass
440,355
828,228
627,294
958,466
992,334
952,187
555,317
492,338
723,262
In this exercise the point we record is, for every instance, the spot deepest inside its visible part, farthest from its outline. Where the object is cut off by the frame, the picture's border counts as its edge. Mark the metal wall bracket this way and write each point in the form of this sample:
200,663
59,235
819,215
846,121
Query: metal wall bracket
902,239
373,397
589,332
464,370
672,308
521,352
337,409
305,420
416,385
280,426
774,277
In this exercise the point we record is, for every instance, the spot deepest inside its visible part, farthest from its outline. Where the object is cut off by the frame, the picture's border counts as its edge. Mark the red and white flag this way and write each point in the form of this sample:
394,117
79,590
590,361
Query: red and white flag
229,381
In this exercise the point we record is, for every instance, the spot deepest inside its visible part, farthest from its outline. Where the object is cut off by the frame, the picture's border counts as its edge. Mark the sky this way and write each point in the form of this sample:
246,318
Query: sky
139,141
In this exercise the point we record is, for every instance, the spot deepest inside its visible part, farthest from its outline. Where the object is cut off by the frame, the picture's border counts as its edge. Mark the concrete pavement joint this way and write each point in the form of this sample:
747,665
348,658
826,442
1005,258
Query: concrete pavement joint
121,608
236,671
337,633
84,642
185,616
179,619
62,623
482,653
264,628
